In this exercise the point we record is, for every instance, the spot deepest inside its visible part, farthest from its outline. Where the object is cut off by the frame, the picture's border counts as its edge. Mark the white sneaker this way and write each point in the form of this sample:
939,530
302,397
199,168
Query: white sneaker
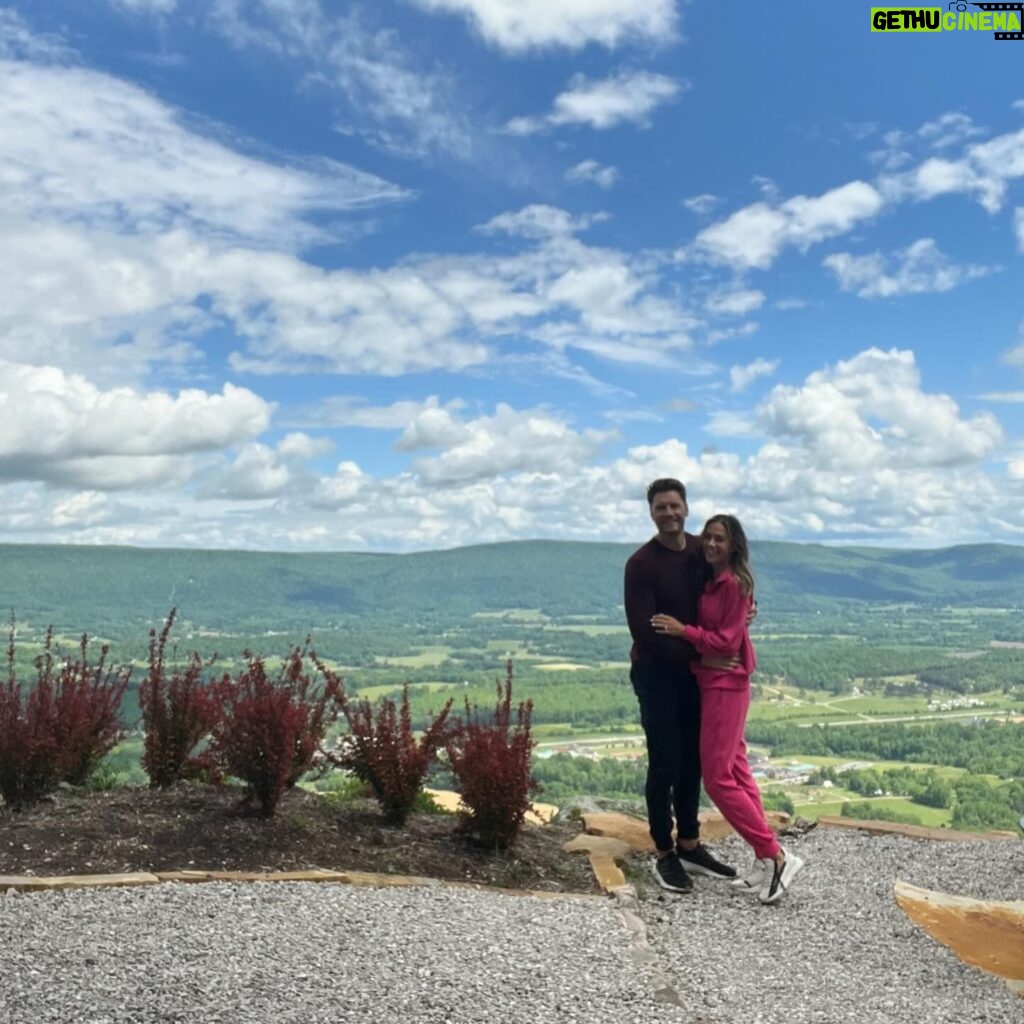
780,877
752,881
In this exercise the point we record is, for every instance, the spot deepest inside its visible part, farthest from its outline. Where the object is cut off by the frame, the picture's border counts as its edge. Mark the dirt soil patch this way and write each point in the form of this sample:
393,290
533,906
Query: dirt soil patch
191,827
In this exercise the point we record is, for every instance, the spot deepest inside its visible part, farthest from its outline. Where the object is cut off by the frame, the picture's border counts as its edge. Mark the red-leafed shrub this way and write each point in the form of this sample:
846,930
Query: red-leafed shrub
490,759
270,730
178,711
382,751
28,741
87,704
62,727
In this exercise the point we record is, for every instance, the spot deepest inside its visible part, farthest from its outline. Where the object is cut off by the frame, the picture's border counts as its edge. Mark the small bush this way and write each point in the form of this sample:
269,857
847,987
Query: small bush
381,750
63,727
28,740
490,759
87,704
269,732
178,712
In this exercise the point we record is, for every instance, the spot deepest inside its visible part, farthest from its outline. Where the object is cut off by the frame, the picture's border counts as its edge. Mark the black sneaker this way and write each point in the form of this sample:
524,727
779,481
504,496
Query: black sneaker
669,874
700,862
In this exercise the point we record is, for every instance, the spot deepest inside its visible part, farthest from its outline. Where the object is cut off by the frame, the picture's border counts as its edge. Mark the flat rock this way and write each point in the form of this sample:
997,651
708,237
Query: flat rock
984,933
893,828
538,814
29,883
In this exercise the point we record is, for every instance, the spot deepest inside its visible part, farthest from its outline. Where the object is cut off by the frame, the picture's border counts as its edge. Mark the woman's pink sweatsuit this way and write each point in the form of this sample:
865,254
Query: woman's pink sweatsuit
725,699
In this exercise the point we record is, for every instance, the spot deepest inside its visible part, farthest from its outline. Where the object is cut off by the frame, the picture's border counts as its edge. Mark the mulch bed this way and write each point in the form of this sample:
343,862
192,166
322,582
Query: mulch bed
210,828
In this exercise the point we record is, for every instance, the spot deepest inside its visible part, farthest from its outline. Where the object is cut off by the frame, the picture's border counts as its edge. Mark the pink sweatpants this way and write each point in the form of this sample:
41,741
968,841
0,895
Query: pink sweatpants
723,762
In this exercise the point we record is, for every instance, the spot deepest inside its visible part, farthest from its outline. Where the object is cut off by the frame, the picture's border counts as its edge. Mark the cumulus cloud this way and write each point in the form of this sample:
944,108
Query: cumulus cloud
60,427
754,236
509,441
857,451
355,411
539,221
921,267
871,411
516,26
741,377
628,97
592,171
983,172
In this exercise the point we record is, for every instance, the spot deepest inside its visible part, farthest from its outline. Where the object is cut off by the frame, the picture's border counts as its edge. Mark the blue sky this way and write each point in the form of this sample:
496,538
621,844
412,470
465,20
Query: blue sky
312,275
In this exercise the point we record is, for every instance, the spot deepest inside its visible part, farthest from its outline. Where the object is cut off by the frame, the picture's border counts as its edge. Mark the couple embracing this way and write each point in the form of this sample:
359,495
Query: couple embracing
689,601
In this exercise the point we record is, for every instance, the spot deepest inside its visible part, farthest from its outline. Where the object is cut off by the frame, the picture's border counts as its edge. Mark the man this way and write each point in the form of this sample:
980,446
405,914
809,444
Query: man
666,575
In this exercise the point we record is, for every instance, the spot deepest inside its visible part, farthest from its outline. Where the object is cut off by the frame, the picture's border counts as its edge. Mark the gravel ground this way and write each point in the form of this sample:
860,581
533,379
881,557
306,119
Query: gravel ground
836,950
316,952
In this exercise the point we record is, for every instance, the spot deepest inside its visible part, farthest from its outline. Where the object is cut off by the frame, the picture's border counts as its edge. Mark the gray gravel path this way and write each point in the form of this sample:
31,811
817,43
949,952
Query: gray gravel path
315,952
837,950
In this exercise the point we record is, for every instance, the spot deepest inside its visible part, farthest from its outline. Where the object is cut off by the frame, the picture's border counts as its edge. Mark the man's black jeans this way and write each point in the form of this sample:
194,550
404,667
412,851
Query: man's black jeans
670,714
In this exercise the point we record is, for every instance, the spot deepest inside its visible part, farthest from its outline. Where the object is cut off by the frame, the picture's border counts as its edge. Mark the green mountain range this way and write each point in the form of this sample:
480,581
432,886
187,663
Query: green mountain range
106,590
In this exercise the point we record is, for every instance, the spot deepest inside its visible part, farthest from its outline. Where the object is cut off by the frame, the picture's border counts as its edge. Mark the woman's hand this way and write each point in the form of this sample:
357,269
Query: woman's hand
667,625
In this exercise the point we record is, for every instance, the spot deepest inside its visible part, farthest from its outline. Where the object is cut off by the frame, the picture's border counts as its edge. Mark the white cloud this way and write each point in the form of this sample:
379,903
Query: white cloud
741,377
787,304
1018,220
703,204
1003,396
628,97
870,411
59,427
755,235
950,129
520,25
80,146
354,411
1015,355
730,423
983,172
260,471
509,441
390,100
592,171
919,268
738,302
17,40
539,221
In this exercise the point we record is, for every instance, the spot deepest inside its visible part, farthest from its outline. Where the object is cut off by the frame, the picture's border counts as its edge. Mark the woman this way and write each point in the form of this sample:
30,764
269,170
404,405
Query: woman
721,632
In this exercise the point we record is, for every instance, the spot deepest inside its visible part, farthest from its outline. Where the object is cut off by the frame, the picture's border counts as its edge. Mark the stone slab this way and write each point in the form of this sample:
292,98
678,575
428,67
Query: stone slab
608,874
602,846
539,814
29,883
892,828
985,934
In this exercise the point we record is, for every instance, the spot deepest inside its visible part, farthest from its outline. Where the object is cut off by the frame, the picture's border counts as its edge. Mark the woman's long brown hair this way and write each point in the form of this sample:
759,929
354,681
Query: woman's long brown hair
739,555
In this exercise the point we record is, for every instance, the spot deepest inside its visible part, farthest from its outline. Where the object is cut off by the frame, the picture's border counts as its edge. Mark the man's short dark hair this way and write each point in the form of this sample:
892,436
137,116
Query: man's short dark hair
666,483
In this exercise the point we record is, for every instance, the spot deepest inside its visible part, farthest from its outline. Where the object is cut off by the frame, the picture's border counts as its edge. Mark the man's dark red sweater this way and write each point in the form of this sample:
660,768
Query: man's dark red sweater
661,579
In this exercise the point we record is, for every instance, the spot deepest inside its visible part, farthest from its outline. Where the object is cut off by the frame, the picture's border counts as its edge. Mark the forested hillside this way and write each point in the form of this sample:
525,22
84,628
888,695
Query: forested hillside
106,589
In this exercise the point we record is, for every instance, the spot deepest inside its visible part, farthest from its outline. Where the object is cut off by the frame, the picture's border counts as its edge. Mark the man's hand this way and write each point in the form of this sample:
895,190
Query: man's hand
720,664
667,625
